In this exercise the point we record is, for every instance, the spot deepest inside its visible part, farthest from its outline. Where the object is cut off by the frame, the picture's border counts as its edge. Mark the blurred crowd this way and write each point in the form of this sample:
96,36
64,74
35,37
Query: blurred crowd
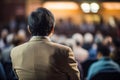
89,41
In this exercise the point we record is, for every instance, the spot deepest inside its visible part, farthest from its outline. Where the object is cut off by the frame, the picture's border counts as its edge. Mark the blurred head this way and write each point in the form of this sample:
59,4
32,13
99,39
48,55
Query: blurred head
4,33
98,37
107,40
88,38
78,39
10,38
103,51
41,22
17,40
21,35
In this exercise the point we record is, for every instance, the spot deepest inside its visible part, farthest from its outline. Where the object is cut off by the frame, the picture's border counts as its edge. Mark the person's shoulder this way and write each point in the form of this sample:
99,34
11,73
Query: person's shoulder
115,64
60,46
95,64
62,51
19,47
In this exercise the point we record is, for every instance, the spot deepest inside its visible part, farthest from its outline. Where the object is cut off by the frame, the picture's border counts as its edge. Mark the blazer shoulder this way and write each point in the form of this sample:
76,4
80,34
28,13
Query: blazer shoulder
18,48
61,47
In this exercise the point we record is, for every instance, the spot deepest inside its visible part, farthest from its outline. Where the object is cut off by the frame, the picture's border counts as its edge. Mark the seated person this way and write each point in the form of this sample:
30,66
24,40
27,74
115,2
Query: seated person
2,73
103,64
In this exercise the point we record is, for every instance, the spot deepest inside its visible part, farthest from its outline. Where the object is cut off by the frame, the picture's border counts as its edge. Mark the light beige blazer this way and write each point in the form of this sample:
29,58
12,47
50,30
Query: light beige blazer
41,59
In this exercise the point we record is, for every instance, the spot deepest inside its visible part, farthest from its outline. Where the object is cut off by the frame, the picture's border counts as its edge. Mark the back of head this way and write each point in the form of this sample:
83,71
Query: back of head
88,38
41,22
78,39
104,50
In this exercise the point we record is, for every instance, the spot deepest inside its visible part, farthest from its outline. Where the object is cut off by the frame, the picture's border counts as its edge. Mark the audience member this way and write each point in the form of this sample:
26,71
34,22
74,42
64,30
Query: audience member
3,41
103,64
6,60
80,53
93,52
2,73
65,29
41,59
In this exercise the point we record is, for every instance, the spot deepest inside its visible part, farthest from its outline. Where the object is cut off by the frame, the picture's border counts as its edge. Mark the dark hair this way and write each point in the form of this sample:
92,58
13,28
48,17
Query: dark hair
78,43
104,50
41,22
116,42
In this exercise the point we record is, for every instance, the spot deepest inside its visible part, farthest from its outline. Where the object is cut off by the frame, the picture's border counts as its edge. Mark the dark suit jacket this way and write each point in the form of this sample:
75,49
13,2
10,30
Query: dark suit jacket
41,59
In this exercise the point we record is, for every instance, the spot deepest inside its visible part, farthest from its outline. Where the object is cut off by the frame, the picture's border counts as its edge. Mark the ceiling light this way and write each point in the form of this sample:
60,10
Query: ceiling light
60,5
85,7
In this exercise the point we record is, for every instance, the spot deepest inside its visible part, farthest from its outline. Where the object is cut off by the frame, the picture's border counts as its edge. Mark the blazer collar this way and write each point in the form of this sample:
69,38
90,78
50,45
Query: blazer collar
40,38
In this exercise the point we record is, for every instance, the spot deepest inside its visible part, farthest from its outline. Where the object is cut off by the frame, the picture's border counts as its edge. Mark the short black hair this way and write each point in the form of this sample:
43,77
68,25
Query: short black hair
104,50
41,22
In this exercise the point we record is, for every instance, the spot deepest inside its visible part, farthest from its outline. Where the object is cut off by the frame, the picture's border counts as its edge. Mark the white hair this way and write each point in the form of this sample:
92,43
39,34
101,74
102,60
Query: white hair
88,38
78,37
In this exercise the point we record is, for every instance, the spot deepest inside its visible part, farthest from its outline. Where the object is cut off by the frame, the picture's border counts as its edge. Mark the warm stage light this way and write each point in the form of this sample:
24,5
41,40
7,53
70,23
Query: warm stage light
111,5
61,5
94,7
85,7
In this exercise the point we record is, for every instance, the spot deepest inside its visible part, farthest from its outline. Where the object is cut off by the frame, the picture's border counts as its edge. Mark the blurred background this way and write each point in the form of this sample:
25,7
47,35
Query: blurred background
75,15
82,25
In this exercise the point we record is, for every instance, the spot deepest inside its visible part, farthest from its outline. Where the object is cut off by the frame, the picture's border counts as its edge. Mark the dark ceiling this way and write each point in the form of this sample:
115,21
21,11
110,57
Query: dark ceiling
87,0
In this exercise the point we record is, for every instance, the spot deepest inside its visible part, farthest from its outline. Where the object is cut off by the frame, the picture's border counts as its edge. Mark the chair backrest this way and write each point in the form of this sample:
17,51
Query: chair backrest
110,75
85,66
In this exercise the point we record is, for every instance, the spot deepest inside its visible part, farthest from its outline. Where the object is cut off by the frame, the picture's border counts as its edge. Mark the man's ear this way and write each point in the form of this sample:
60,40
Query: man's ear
28,29
99,55
52,31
